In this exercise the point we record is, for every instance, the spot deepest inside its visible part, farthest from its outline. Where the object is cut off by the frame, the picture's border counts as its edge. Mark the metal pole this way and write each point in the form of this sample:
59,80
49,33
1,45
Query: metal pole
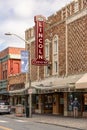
30,101
30,93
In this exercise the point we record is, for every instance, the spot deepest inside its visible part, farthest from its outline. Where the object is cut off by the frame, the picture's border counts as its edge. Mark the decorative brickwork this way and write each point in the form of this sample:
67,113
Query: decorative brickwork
77,60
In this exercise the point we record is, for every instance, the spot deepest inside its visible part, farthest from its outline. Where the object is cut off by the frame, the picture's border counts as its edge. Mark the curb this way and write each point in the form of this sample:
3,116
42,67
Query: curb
61,125
43,122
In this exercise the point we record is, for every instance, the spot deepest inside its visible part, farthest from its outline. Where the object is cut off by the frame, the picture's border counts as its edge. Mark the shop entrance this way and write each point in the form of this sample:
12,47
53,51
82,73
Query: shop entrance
48,103
54,103
61,103
58,103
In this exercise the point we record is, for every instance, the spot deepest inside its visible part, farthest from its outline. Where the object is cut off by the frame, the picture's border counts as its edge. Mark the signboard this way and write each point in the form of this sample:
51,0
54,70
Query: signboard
31,91
24,61
39,41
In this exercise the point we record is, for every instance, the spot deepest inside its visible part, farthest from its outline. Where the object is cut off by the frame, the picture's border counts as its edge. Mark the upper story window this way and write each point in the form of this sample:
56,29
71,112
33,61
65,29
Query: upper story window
4,67
76,6
46,68
55,66
47,71
55,45
32,32
47,48
55,60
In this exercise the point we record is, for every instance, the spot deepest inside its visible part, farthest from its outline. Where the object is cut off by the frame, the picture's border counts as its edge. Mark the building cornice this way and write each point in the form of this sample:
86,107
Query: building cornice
14,56
76,16
10,56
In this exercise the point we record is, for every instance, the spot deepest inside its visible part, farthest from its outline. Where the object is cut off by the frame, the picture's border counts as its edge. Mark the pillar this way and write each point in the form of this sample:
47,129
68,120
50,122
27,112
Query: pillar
40,104
65,104
55,104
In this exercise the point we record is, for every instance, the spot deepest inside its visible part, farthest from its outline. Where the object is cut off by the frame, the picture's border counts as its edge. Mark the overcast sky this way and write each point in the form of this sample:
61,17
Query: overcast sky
18,15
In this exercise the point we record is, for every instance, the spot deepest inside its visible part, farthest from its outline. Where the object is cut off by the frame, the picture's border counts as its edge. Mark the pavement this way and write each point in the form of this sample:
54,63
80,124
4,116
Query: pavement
68,122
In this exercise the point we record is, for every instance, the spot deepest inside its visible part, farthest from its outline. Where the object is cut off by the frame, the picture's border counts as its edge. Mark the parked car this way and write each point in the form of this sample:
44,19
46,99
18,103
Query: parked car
4,107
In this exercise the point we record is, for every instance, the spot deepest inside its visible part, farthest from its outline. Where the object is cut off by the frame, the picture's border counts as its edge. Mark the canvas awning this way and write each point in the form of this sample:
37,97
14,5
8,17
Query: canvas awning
57,82
82,82
18,92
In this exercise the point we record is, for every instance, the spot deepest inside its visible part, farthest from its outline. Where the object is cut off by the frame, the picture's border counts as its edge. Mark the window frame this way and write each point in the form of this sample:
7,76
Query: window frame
55,54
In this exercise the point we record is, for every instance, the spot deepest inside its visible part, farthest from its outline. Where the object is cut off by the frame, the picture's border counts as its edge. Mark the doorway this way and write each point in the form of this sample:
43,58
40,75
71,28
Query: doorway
61,103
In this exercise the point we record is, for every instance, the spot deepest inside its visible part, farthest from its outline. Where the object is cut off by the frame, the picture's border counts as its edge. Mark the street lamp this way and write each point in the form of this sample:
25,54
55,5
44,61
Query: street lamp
30,95
10,34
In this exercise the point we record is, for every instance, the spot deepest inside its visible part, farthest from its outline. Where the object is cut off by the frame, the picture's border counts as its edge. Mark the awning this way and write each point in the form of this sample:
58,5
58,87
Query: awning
66,83
82,82
4,93
18,92
53,83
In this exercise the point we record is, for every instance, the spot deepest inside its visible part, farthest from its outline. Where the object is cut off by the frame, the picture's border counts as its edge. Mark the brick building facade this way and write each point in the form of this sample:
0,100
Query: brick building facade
66,51
16,87
10,64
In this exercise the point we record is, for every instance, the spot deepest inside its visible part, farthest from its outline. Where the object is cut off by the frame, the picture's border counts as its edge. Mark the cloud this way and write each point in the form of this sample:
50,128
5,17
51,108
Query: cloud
24,8
1,40
18,15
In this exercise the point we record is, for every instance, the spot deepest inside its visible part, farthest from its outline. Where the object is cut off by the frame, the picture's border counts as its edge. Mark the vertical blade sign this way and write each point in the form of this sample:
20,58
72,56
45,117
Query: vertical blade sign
39,41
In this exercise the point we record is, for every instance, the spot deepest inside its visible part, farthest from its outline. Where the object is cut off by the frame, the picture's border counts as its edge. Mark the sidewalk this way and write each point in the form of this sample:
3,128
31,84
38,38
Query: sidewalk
69,122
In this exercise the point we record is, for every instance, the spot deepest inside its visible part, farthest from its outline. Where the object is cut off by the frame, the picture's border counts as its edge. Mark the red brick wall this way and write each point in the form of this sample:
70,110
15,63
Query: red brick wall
15,50
14,66
11,63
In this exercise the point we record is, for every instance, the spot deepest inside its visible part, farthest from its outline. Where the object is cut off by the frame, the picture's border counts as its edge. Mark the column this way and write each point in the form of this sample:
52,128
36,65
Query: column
65,104
55,104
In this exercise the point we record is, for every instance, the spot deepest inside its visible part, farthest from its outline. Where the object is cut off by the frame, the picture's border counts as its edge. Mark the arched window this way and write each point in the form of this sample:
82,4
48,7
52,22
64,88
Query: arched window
46,68
55,45
55,55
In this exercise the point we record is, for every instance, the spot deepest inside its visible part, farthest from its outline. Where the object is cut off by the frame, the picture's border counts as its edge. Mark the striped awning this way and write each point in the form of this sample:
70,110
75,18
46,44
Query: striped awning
82,82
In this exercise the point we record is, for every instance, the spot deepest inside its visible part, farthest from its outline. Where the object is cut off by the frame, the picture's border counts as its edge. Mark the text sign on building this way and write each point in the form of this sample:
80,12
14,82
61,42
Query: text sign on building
24,61
39,41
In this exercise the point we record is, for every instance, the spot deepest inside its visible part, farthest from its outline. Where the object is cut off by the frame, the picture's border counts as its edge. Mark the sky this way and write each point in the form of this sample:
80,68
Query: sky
18,15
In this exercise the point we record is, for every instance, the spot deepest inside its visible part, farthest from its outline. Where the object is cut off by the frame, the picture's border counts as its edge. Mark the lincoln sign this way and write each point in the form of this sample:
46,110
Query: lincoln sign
39,41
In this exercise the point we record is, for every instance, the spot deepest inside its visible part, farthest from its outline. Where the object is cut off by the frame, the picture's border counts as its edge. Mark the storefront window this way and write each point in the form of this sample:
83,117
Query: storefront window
70,100
48,103
36,101
71,97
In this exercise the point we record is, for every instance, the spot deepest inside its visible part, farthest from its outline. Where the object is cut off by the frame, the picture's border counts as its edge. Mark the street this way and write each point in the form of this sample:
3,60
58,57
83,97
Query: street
7,123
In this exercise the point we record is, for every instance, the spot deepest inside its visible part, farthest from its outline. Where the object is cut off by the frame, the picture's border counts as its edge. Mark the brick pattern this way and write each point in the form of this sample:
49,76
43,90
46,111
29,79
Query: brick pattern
19,78
16,79
33,67
77,46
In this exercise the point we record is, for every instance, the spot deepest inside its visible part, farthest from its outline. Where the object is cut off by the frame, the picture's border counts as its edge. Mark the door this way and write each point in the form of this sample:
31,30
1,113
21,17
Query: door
61,103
